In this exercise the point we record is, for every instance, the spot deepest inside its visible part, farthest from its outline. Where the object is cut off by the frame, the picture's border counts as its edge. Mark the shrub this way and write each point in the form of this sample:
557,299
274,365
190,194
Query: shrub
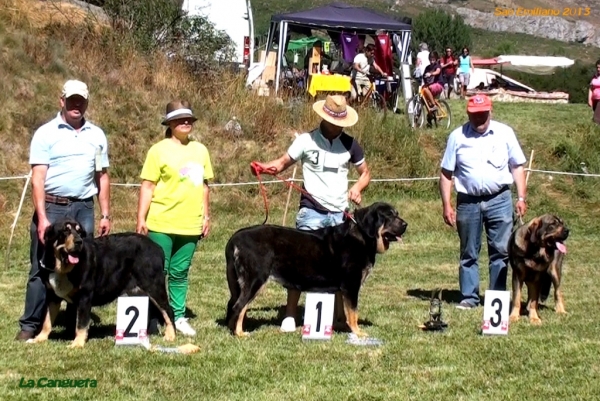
439,29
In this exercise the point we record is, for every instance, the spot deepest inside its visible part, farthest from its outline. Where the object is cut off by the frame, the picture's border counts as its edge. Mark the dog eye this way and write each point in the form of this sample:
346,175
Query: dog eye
68,226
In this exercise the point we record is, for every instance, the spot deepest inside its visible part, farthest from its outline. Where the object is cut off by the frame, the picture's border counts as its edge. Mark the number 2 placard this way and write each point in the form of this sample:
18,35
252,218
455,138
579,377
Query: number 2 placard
495,312
132,321
318,316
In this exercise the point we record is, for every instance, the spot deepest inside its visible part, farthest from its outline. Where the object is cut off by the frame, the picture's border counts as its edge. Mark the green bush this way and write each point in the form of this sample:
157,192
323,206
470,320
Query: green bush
439,30
162,25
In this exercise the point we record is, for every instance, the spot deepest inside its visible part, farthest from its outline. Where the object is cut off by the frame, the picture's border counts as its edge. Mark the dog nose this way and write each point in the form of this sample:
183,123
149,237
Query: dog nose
78,241
566,231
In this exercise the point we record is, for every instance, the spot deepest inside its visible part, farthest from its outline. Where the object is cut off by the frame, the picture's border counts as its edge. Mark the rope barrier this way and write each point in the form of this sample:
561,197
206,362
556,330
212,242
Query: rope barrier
235,184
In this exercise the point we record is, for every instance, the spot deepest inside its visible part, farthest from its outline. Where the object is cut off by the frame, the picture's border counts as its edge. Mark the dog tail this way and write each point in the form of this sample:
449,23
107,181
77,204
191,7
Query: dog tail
545,284
232,259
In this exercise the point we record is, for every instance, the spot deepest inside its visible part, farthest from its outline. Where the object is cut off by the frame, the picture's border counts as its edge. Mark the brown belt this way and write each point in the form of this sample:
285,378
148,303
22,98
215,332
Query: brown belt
61,200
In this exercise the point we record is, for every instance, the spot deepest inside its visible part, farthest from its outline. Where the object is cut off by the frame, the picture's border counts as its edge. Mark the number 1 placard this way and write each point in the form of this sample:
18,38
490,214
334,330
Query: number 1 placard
318,316
495,312
132,321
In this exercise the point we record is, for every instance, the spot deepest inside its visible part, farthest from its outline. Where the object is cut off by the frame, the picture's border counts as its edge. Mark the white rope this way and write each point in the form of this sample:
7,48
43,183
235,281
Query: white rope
235,184
19,177
564,173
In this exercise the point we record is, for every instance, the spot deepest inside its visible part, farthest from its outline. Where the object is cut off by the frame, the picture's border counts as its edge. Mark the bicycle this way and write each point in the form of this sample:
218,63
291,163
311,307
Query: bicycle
372,97
418,110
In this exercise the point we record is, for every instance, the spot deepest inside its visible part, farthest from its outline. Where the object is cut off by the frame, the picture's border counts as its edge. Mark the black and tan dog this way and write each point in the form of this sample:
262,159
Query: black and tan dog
536,252
90,272
328,260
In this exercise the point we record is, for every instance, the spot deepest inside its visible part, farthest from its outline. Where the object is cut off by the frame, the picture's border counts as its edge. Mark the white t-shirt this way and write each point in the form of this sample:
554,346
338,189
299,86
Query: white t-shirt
423,58
325,166
363,62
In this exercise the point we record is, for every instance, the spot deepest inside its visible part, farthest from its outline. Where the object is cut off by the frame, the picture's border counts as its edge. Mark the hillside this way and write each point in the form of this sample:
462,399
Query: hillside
486,41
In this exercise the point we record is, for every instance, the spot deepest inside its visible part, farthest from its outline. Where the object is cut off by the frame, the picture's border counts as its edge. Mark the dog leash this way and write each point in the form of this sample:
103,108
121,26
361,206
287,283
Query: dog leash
271,171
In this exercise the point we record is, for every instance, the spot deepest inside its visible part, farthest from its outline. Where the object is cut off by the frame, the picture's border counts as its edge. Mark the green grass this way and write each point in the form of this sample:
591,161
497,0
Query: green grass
556,360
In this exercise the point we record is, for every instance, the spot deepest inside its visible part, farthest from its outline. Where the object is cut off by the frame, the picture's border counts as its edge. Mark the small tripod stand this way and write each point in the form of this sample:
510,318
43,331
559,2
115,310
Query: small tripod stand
435,322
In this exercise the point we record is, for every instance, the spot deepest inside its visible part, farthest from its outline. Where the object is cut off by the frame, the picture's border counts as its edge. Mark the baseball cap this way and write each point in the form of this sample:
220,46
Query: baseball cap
479,103
74,87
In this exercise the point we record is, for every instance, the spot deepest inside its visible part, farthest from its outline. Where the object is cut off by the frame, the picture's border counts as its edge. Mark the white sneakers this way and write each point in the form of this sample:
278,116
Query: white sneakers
184,327
288,325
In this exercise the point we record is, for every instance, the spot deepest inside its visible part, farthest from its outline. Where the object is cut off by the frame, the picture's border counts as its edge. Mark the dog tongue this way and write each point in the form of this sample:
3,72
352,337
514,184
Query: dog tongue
73,259
561,247
399,239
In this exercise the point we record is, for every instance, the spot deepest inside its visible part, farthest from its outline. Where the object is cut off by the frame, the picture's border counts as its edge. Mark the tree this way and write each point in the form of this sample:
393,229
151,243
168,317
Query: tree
439,30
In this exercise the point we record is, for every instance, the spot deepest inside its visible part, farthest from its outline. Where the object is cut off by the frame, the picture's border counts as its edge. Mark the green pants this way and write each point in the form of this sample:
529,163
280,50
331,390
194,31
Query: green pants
179,251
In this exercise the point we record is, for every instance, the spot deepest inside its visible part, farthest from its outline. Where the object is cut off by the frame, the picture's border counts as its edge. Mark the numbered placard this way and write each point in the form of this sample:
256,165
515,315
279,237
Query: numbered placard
318,316
132,321
495,312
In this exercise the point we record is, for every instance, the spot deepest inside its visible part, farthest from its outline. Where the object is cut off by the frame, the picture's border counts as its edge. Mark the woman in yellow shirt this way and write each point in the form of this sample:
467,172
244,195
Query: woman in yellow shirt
173,207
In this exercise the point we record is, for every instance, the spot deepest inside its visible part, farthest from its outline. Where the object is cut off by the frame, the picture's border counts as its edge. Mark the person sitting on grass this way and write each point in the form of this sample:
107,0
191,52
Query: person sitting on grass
432,87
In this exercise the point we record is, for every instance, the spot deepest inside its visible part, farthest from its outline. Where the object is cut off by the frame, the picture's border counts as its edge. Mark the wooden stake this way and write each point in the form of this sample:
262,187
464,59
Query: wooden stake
529,168
14,224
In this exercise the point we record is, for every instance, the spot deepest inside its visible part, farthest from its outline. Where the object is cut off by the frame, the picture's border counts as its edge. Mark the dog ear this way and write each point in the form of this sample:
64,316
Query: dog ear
534,228
50,234
81,231
370,220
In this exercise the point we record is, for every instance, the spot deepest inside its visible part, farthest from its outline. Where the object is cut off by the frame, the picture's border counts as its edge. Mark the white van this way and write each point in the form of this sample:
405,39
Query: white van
234,17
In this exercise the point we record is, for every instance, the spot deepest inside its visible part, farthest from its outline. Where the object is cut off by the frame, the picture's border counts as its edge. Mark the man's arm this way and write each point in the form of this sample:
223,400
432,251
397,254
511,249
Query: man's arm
38,179
518,173
378,68
445,187
103,183
280,164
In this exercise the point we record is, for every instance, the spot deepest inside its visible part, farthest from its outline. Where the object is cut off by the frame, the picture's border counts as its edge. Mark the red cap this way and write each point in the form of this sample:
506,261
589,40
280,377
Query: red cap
479,103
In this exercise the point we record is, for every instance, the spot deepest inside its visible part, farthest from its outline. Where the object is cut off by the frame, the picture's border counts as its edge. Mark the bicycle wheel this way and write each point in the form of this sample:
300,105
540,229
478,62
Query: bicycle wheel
443,115
414,111
378,102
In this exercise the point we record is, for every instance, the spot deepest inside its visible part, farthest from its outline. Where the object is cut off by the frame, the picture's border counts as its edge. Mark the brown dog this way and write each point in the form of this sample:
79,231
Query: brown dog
536,251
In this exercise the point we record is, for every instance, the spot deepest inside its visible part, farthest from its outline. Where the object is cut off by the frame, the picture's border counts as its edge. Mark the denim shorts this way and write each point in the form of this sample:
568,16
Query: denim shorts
310,219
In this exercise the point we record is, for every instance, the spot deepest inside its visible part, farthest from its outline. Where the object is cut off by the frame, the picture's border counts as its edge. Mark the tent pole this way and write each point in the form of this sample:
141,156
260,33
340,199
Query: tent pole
279,53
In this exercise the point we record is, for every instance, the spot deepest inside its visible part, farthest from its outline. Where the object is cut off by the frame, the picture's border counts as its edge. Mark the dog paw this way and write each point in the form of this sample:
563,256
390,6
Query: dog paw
360,334
561,310
76,344
36,340
242,334
535,321
514,318
169,334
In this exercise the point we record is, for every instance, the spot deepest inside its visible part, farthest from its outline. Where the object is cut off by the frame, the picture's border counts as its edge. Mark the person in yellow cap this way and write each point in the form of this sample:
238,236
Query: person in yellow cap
485,158
326,154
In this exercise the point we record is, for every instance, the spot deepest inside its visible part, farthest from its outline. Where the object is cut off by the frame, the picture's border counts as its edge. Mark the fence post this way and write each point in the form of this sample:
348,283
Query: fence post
14,224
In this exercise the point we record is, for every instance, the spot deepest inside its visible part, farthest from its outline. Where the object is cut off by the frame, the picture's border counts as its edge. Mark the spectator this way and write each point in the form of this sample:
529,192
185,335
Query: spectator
361,70
448,65
594,94
465,69
432,86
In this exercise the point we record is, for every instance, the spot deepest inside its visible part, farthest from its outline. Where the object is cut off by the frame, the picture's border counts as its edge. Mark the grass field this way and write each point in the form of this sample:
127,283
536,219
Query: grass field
556,360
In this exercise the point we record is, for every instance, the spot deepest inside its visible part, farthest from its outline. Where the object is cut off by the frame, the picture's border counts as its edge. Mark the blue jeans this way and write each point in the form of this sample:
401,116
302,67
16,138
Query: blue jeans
495,214
310,219
35,297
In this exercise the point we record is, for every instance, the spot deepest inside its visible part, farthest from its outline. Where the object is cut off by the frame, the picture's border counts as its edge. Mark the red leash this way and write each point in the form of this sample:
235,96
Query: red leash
258,170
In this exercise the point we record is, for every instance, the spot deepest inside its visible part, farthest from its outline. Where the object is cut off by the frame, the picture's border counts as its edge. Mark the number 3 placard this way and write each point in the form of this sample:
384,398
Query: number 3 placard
318,316
132,321
495,312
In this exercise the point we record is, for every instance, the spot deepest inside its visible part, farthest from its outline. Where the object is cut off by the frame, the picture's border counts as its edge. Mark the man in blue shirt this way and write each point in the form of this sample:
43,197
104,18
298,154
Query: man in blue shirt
69,161
485,159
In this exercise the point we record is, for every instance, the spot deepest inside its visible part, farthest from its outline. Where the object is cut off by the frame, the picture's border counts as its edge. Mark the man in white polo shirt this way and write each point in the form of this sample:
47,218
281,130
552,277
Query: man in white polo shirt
325,154
69,161
485,158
